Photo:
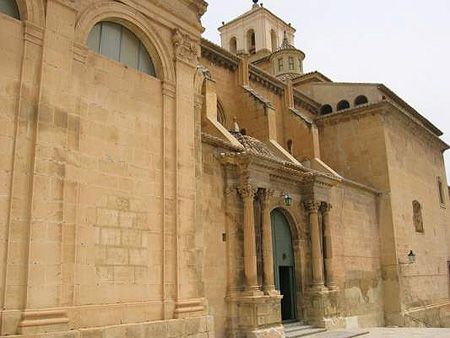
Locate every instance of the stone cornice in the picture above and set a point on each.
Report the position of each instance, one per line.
(306, 102)
(282, 170)
(218, 55)
(218, 142)
(302, 116)
(404, 105)
(258, 97)
(385, 106)
(267, 80)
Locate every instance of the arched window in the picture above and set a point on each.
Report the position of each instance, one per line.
(343, 105)
(233, 45)
(441, 191)
(251, 41)
(289, 146)
(326, 109)
(417, 216)
(221, 118)
(361, 100)
(273, 37)
(116, 42)
(9, 7)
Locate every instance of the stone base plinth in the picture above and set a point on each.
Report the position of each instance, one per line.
(43, 321)
(180, 328)
(320, 305)
(259, 315)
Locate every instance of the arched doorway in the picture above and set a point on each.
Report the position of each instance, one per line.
(283, 261)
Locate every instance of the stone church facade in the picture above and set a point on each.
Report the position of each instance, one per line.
(154, 184)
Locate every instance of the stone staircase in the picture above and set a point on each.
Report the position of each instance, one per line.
(298, 329)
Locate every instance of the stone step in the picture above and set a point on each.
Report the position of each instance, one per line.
(297, 327)
(340, 334)
(304, 332)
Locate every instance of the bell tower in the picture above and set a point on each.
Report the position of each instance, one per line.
(257, 32)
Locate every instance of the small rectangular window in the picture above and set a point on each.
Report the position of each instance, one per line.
(280, 65)
(441, 191)
(291, 63)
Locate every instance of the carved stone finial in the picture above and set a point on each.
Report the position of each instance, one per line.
(312, 206)
(185, 47)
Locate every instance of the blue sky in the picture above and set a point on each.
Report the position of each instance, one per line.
(404, 44)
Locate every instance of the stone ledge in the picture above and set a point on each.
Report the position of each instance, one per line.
(198, 327)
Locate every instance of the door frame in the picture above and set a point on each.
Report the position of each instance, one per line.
(296, 290)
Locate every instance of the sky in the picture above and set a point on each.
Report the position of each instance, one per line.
(404, 44)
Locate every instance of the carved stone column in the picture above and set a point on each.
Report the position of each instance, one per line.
(247, 192)
(269, 283)
(312, 207)
(328, 247)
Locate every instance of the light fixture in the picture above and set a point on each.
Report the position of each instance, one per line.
(411, 257)
(287, 199)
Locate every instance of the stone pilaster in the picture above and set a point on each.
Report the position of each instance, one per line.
(269, 282)
(312, 207)
(189, 301)
(330, 280)
(247, 192)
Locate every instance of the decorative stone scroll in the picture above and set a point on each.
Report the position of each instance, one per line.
(185, 47)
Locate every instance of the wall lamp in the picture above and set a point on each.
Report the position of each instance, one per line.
(411, 258)
(287, 199)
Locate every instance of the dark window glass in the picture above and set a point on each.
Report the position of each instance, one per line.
(280, 65)
(118, 43)
(343, 105)
(291, 63)
(361, 100)
(326, 109)
(9, 7)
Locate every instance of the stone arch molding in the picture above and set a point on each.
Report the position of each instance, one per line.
(134, 21)
(297, 231)
(32, 11)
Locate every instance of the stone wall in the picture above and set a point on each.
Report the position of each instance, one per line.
(98, 197)
(356, 241)
(415, 165)
(215, 249)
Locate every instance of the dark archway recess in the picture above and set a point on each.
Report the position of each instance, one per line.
(361, 99)
(343, 105)
(326, 109)
(283, 261)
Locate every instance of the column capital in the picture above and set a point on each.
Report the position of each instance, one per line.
(266, 195)
(312, 206)
(326, 207)
(247, 190)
